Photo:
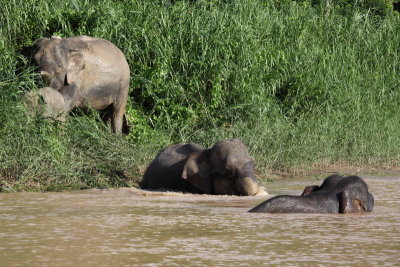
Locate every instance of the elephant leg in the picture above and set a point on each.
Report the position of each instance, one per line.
(71, 96)
(116, 121)
(117, 118)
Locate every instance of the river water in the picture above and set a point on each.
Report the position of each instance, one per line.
(130, 227)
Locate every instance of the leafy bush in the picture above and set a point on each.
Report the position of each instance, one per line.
(376, 7)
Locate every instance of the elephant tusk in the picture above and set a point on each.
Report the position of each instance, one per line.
(261, 192)
(247, 186)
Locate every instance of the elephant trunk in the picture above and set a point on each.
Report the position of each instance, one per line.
(247, 186)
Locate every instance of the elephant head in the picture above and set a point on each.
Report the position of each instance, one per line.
(48, 102)
(224, 169)
(354, 196)
(60, 60)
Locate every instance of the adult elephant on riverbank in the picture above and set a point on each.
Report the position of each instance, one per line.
(88, 72)
(224, 169)
(337, 194)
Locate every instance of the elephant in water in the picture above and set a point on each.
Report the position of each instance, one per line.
(48, 102)
(88, 72)
(224, 169)
(337, 194)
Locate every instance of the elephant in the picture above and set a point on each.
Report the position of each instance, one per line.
(337, 194)
(48, 102)
(223, 169)
(88, 72)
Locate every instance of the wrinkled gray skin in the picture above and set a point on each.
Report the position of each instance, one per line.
(224, 169)
(88, 72)
(337, 194)
(48, 102)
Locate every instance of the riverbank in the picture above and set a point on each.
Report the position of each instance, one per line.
(312, 172)
(305, 86)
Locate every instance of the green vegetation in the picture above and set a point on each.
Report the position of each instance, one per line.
(301, 82)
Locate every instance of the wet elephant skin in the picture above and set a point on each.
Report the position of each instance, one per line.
(223, 169)
(337, 194)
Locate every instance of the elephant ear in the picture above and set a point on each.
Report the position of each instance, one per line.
(309, 189)
(350, 204)
(33, 52)
(196, 172)
(76, 64)
(370, 202)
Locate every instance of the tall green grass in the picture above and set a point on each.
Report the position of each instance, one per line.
(301, 84)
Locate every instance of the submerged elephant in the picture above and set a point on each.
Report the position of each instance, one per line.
(48, 102)
(88, 72)
(224, 169)
(337, 194)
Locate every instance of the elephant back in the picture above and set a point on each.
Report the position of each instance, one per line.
(165, 171)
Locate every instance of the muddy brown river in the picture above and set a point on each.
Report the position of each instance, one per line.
(129, 227)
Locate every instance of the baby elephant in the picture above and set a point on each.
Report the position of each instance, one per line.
(224, 169)
(337, 194)
(48, 102)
